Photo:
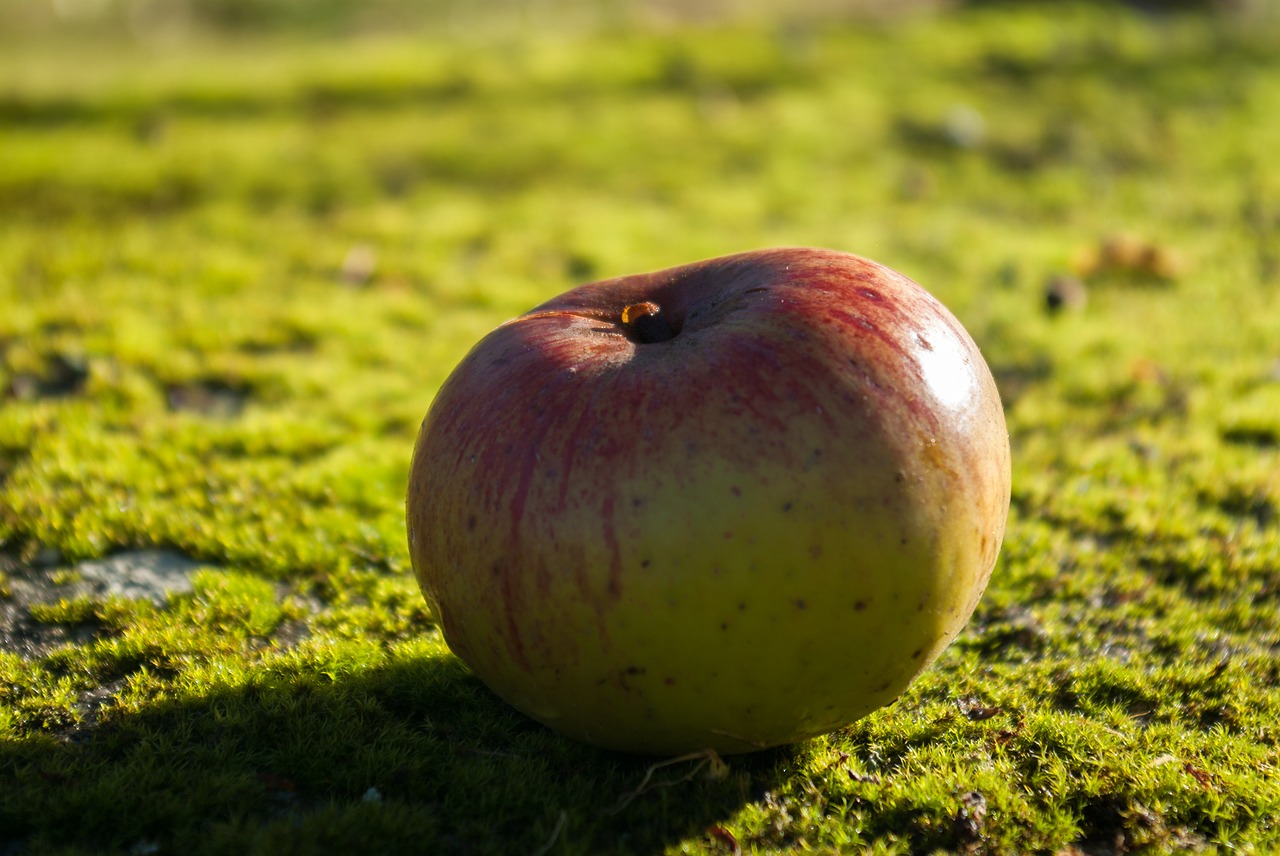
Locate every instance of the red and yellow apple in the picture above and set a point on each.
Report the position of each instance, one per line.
(726, 506)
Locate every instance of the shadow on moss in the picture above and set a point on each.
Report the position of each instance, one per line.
(413, 756)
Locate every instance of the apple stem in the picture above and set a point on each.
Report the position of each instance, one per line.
(644, 323)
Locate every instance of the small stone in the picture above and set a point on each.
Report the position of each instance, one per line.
(1065, 293)
(359, 264)
(964, 127)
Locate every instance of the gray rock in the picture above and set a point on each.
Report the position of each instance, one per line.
(140, 574)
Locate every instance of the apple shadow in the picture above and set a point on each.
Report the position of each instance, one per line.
(415, 756)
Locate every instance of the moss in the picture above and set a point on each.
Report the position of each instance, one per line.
(232, 277)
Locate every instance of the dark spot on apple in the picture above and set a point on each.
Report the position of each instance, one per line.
(904, 541)
(644, 563)
(859, 605)
(637, 502)
(800, 604)
(646, 324)
(735, 490)
(883, 687)
(756, 290)
(899, 476)
(724, 625)
(634, 670)
(915, 655)
(742, 607)
(471, 523)
(786, 506)
(669, 681)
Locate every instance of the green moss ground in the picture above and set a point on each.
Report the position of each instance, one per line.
(233, 274)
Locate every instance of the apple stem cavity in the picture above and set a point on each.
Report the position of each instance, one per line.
(645, 324)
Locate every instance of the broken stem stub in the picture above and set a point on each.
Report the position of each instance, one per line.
(645, 324)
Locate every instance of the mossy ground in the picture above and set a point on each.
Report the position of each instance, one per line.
(232, 274)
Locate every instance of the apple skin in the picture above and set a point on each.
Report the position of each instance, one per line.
(750, 533)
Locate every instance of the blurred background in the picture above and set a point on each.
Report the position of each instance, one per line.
(158, 21)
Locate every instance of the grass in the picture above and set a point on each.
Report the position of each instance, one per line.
(233, 273)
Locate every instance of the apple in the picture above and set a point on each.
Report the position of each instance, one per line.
(729, 505)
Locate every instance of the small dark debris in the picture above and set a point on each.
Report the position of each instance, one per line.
(969, 818)
(725, 837)
(212, 397)
(64, 375)
(1203, 777)
(975, 710)
(1262, 436)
